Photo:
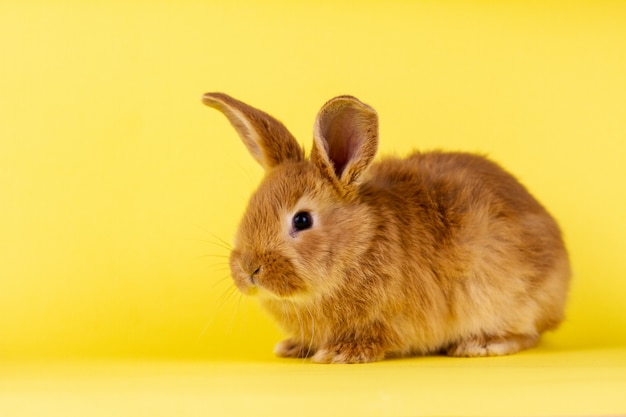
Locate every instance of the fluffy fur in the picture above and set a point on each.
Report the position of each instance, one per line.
(434, 252)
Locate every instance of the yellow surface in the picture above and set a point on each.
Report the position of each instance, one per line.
(117, 187)
(533, 383)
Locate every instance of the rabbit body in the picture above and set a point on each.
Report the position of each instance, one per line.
(360, 261)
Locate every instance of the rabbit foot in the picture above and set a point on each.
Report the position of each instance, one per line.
(492, 346)
(350, 352)
(290, 348)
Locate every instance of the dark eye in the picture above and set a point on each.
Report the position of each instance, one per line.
(302, 220)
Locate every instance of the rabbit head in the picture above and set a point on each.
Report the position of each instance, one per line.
(301, 226)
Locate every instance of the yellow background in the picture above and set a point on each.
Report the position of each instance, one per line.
(117, 186)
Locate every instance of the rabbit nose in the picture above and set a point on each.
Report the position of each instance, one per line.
(253, 274)
(250, 268)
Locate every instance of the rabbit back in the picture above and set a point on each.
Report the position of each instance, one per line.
(473, 241)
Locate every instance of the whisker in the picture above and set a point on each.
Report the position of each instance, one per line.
(219, 259)
(308, 352)
(220, 245)
(220, 268)
(300, 325)
(218, 241)
(236, 317)
(243, 321)
(226, 297)
(214, 256)
(225, 243)
(285, 312)
(222, 280)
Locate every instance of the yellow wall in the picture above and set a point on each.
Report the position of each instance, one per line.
(117, 185)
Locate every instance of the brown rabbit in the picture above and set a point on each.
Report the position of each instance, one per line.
(360, 261)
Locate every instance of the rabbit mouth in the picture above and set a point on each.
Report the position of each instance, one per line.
(268, 271)
(267, 283)
(278, 287)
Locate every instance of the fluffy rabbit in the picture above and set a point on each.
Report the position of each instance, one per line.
(360, 261)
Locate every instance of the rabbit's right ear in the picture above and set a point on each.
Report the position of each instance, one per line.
(345, 141)
(267, 139)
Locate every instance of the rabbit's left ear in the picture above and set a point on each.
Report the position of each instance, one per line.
(345, 140)
(267, 139)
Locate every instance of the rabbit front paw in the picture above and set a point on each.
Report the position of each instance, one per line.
(290, 348)
(349, 352)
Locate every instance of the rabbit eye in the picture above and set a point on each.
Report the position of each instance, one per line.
(302, 220)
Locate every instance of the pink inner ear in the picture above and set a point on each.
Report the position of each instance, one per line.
(343, 140)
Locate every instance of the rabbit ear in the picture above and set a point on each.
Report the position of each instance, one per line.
(267, 139)
(345, 140)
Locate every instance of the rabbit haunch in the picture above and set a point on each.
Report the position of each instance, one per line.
(434, 252)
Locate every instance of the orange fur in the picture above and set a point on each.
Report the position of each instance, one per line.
(434, 252)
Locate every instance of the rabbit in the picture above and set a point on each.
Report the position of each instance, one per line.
(360, 261)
